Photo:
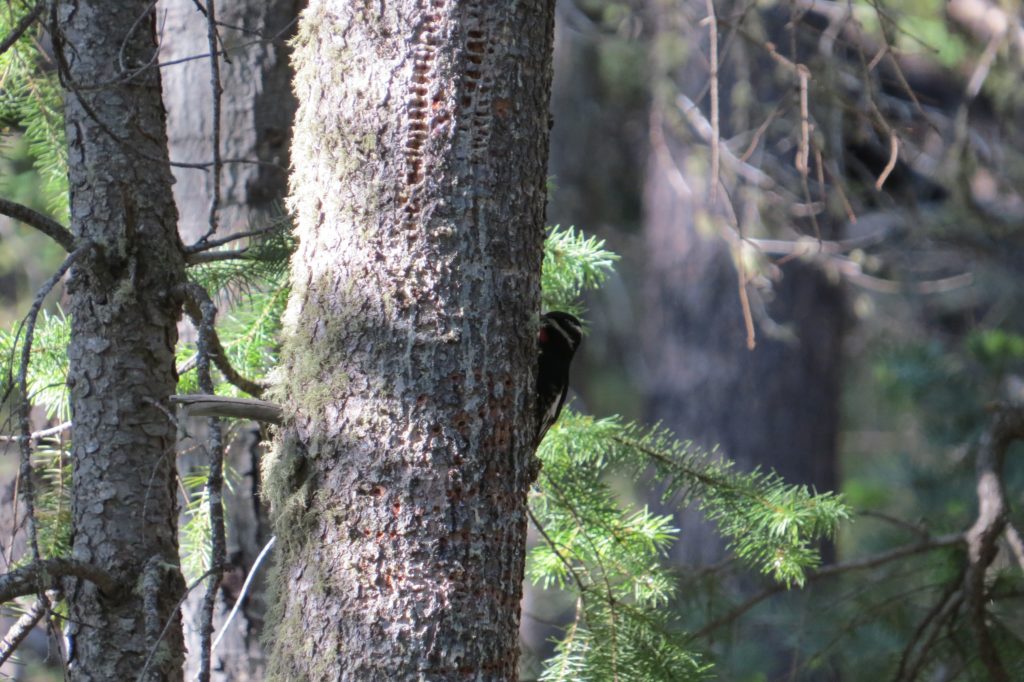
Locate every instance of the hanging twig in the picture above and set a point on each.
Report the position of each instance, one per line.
(198, 298)
(716, 134)
(217, 91)
(25, 475)
(245, 590)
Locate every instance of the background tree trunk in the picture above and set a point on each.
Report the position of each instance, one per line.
(777, 406)
(257, 108)
(399, 486)
(124, 310)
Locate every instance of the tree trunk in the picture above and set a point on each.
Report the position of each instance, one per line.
(399, 485)
(257, 109)
(124, 311)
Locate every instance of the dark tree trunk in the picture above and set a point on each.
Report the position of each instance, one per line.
(124, 313)
(399, 485)
(257, 109)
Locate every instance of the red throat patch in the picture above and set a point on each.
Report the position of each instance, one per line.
(542, 335)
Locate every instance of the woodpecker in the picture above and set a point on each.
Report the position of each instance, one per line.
(559, 336)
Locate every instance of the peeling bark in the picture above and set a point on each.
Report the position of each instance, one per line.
(399, 483)
(122, 342)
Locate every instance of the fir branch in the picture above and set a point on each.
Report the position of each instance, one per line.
(264, 263)
(573, 262)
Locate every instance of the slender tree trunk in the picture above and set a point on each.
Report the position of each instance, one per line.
(124, 313)
(399, 485)
(257, 107)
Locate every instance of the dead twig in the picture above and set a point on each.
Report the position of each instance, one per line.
(199, 302)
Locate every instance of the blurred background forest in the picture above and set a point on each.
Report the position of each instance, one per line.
(820, 211)
(840, 308)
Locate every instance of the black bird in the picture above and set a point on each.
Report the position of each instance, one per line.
(559, 336)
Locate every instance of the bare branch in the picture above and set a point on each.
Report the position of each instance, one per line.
(37, 435)
(19, 30)
(204, 405)
(199, 301)
(215, 256)
(196, 299)
(44, 574)
(207, 244)
(716, 135)
(21, 629)
(834, 570)
(218, 165)
(25, 473)
(1007, 425)
(51, 228)
(705, 129)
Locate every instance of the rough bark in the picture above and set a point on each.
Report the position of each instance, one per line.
(124, 313)
(399, 487)
(257, 107)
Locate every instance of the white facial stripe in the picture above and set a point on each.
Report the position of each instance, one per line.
(568, 338)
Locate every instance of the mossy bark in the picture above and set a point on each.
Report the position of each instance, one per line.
(124, 311)
(399, 484)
